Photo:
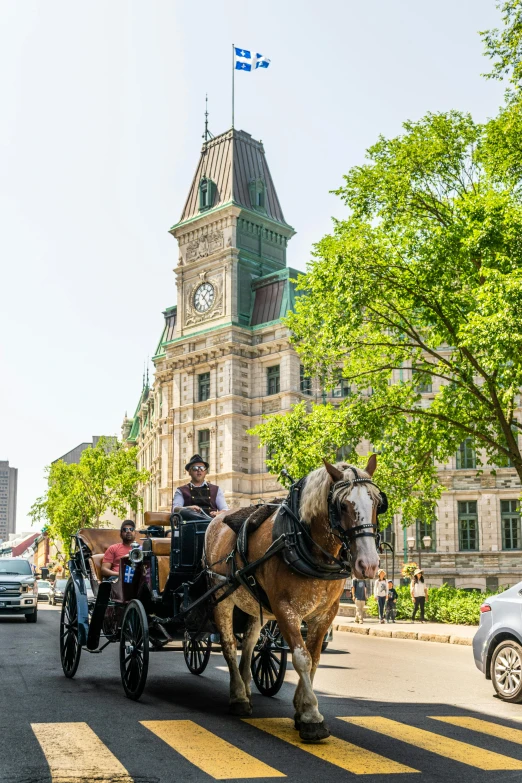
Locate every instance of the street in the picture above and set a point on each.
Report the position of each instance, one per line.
(384, 700)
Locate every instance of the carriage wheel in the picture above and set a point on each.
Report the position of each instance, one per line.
(70, 647)
(269, 660)
(196, 653)
(134, 650)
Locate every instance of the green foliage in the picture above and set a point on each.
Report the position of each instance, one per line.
(79, 495)
(504, 47)
(445, 605)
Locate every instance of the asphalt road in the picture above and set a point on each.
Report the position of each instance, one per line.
(383, 700)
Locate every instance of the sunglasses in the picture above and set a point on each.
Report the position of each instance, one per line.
(198, 467)
(127, 530)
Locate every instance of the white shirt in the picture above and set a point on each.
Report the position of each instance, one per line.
(221, 503)
(381, 588)
(419, 589)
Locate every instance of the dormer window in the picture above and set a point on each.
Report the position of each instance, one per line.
(257, 189)
(207, 190)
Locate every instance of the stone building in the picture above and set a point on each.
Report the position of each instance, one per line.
(224, 359)
(8, 495)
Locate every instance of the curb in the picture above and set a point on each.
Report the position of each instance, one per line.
(419, 636)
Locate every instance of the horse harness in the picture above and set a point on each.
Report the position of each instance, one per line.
(292, 539)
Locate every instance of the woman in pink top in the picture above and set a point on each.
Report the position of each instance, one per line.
(113, 555)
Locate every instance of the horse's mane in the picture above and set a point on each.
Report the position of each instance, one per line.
(314, 497)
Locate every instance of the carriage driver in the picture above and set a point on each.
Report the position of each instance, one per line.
(199, 494)
(113, 555)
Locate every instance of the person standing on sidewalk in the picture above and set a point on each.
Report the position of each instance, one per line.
(419, 594)
(381, 593)
(359, 598)
(391, 603)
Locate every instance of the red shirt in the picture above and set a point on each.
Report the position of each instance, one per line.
(114, 554)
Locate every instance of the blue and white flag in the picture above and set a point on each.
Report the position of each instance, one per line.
(128, 574)
(242, 59)
(262, 61)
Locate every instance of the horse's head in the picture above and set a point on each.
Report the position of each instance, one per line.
(356, 500)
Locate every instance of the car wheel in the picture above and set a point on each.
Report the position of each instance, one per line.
(506, 671)
(33, 617)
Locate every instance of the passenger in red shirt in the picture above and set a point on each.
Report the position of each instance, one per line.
(113, 555)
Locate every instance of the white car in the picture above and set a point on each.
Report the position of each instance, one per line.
(44, 590)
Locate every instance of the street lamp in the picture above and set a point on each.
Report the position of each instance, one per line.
(426, 542)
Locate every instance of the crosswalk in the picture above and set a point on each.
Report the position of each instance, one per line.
(76, 754)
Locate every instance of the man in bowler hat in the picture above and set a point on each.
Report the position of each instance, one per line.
(199, 494)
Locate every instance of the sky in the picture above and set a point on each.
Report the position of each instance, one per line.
(102, 115)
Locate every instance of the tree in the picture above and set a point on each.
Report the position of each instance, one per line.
(505, 47)
(79, 495)
(419, 287)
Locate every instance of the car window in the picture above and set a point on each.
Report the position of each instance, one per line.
(43, 584)
(60, 584)
(15, 567)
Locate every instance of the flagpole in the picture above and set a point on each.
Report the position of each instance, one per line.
(233, 69)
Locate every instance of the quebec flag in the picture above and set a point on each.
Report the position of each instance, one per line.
(262, 61)
(242, 59)
(128, 574)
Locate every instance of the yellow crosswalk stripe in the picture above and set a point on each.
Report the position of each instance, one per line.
(75, 754)
(337, 751)
(484, 726)
(205, 750)
(436, 743)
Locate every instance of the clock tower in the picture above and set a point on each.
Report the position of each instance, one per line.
(224, 358)
(232, 231)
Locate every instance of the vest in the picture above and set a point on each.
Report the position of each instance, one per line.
(204, 497)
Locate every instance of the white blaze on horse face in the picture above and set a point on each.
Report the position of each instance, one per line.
(365, 557)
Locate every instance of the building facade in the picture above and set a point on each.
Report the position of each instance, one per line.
(8, 496)
(224, 360)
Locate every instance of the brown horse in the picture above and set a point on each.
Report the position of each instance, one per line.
(294, 598)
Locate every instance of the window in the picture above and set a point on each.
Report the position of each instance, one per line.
(422, 382)
(387, 535)
(257, 190)
(425, 528)
(510, 521)
(343, 454)
(203, 386)
(207, 190)
(204, 444)
(342, 389)
(466, 457)
(468, 525)
(305, 384)
(273, 379)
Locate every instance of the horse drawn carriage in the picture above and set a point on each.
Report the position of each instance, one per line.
(228, 576)
(160, 602)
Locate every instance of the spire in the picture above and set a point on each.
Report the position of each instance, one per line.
(207, 135)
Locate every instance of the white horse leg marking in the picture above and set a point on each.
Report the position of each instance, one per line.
(305, 701)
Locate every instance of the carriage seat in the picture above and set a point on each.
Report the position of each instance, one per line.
(157, 518)
(97, 561)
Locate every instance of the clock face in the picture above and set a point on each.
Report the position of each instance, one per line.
(204, 297)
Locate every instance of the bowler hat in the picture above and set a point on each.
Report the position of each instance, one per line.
(194, 460)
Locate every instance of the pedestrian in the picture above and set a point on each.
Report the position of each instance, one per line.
(381, 593)
(391, 603)
(419, 594)
(359, 597)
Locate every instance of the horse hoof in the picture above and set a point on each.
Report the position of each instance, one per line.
(297, 721)
(313, 732)
(241, 709)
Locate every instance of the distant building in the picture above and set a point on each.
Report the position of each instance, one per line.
(8, 490)
(19, 545)
(72, 457)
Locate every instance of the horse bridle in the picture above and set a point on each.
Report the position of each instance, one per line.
(367, 530)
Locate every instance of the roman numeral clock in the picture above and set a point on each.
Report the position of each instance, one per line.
(204, 296)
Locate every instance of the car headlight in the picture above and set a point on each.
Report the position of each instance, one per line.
(28, 588)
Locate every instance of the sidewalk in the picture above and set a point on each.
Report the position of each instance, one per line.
(404, 629)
